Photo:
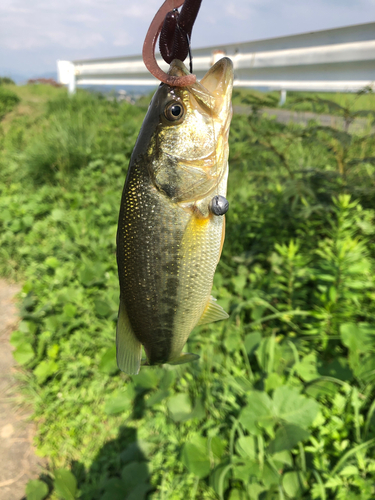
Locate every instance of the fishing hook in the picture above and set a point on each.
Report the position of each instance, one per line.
(175, 31)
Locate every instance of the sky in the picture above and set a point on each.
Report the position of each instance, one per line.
(34, 34)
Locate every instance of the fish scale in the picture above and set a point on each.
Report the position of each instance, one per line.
(148, 268)
(168, 240)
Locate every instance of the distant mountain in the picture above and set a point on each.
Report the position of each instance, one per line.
(133, 90)
(130, 89)
(22, 78)
(16, 77)
(48, 74)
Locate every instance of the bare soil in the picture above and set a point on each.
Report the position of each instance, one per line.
(18, 462)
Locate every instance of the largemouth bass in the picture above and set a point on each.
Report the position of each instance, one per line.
(169, 239)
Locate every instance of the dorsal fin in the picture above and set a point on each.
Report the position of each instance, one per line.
(213, 312)
(128, 347)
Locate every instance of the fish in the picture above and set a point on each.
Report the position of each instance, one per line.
(169, 237)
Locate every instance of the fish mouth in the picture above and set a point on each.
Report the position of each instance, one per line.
(218, 79)
(213, 93)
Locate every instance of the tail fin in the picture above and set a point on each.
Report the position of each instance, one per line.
(128, 347)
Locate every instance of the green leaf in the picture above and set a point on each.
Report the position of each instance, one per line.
(353, 451)
(53, 351)
(349, 470)
(355, 337)
(246, 447)
(195, 456)
(290, 406)
(179, 407)
(157, 397)
(232, 342)
(70, 310)
(238, 495)
(52, 262)
(256, 490)
(121, 403)
(219, 477)
(282, 458)
(18, 338)
(147, 379)
(134, 474)
(244, 472)
(108, 363)
(258, 409)
(252, 341)
(307, 368)
(102, 308)
(272, 381)
(24, 353)
(217, 446)
(286, 437)
(167, 379)
(140, 492)
(270, 476)
(36, 490)
(92, 273)
(65, 484)
(45, 369)
(333, 482)
(57, 214)
(113, 489)
(15, 226)
(337, 368)
(366, 370)
(322, 387)
(138, 451)
(28, 221)
(294, 484)
(198, 411)
(239, 283)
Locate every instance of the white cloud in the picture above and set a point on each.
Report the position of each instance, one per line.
(122, 40)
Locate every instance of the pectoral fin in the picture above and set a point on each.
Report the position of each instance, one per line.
(213, 312)
(185, 357)
(128, 347)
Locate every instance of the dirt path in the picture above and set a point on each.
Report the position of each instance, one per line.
(18, 462)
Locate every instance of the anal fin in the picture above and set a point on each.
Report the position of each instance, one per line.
(185, 357)
(213, 312)
(128, 347)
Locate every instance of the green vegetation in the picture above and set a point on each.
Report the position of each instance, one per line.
(281, 403)
(8, 100)
(317, 102)
(6, 80)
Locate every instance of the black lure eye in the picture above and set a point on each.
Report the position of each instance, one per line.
(174, 111)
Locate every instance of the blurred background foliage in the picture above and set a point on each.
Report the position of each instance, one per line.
(280, 404)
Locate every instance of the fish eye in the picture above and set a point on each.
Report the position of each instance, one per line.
(174, 111)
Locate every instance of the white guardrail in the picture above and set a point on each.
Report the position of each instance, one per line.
(338, 60)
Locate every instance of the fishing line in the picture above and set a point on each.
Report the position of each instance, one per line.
(186, 35)
(190, 55)
(212, 98)
(216, 162)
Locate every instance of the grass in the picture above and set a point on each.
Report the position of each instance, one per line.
(317, 102)
(280, 404)
(33, 102)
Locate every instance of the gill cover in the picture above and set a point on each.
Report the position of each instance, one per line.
(191, 138)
